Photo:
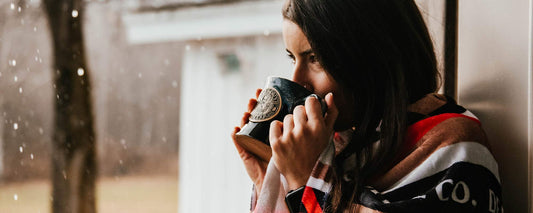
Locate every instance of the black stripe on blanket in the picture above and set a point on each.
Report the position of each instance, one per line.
(463, 187)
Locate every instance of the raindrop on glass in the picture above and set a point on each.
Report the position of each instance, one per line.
(19, 9)
(12, 6)
(20, 90)
(167, 62)
(15, 126)
(21, 150)
(41, 131)
(174, 84)
(34, 29)
(15, 197)
(15, 78)
(140, 75)
(13, 62)
(187, 47)
(81, 71)
(31, 156)
(266, 32)
(74, 13)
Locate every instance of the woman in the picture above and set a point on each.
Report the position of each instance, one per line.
(387, 143)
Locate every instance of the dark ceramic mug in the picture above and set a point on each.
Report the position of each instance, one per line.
(278, 98)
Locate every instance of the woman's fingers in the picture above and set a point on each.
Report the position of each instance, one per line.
(288, 123)
(300, 117)
(332, 113)
(313, 109)
(245, 118)
(242, 152)
(274, 135)
(251, 104)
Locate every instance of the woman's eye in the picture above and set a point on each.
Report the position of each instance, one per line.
(291, 57)
(313, 59)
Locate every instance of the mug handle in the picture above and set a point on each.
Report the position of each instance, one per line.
(323, 104)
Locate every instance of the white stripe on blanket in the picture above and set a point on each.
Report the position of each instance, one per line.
(445, 157)
(319, 184)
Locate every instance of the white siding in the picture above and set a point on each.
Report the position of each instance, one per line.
(212, 177)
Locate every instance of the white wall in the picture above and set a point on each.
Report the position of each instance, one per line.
(212, 177)
(494, 81)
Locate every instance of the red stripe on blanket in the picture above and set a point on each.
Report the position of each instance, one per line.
(416, 131)
(310, 202)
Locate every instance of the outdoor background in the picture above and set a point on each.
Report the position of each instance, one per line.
(171, 78)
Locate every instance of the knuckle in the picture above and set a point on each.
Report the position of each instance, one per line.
(276, 146)
(299, 108)
(299, 132)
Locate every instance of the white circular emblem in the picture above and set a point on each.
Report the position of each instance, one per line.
(268, 105)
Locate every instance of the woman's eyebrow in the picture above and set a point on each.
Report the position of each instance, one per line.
(306, 52)
(303, 53)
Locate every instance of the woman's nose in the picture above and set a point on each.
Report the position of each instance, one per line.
(300, 76)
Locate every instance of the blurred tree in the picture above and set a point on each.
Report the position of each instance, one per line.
(73, 154)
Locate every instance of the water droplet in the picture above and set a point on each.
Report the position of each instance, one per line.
(15, 197)
(122, 141)
(36, 58)
(121, 162)
(140, 75)
(12, 6)
(174, 84)
(202, 48)
(15, 78)
(81, 71)
(21, 150)
(41, 131)
(20, 90)
(187, 47)
(19, 9)
(166, 62)
(34, 29)
(15, 126)
(31, 156)
(266, 32)
(13, 62)
(74, 13)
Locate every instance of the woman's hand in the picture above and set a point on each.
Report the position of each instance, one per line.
(255, 167)
(299, 140)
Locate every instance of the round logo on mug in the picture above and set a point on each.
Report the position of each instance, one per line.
(268, 105)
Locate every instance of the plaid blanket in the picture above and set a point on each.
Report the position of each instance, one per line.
(444, 165)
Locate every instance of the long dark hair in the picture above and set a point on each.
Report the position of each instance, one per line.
(381, 53)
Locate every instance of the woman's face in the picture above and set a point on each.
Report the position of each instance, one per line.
(308, 72)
